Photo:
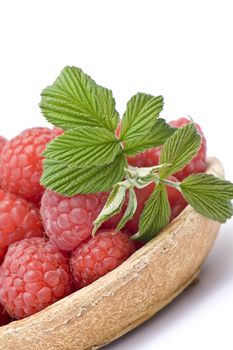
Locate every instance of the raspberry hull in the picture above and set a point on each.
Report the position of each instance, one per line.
(69, 221)
(21, 163)
(101, 254)
(18, 219)
(34, 275)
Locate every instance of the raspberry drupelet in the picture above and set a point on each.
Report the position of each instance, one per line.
(101, 254)
(21, 163)
(18, 219)
(34, 274)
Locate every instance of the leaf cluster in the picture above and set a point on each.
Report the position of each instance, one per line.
(89, 157)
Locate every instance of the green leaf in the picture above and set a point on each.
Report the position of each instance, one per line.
(70, 180)
(75, 100)
(155, 216)
(130, 210)
(141, 114)
(113, 205)
(209, 185)
(179, 149)
(209, 196)
(84, 146)
(156, 137)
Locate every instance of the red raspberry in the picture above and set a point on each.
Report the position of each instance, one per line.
(101, 254)
(198, 163)
(69, 221)
(58, 131)
(4, 317)
(3, 251)
(2, 143)
(21, 163)
(151, 157)
(148, 158)
(118, 129)
(176, 200)
(18, 219)
(34, 275)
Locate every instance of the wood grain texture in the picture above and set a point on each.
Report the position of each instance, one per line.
(124, 298)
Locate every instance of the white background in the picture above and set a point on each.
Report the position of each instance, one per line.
(181, 49)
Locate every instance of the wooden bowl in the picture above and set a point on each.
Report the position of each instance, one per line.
(126, 297)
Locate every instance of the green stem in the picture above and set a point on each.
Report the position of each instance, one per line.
(171, 183)
(142, 177)
(125, 183)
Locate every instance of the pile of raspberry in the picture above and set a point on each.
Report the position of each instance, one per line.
(46, 247)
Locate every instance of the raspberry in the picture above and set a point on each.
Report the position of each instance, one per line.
(34, 275)
(151, 157)
(2, 253)
(118, 129)
(57, 131)
(69, 221)
(4, 317)
(101, 254)
(2, 143)
(176, 200)
(198, 163)
(18, 219)
(148, 158)
(21, 163)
